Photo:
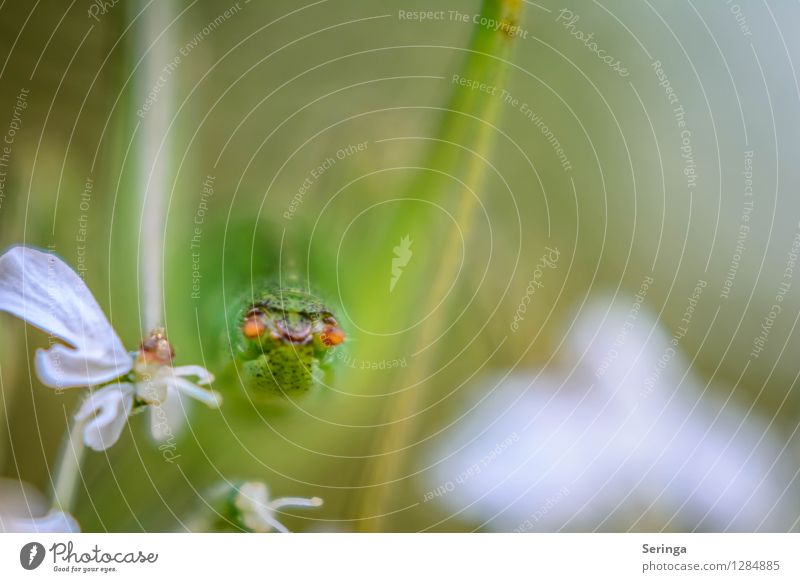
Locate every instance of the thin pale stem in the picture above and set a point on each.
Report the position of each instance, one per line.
(68, 468)
(153, 167)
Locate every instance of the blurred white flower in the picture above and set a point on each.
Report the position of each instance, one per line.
(86, 351)
(24, 510)
(257, 512)
(620, 436)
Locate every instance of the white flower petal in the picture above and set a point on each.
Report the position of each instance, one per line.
(154, 389)
(166, 394)
(64, 367)
(256, 512)
(210, 398)
(168, 418)
(622, 344)
(23, 509)
(21, 499)
(295, 502)
(203, 376)
(41, 289)
(106, 411)
(248, 504)
(53, 522)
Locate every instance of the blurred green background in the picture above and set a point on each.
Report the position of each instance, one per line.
(263, 99)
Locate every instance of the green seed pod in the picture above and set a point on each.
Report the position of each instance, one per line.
(283, 339)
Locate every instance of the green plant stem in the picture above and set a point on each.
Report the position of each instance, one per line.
(68, 468)
(464, 141)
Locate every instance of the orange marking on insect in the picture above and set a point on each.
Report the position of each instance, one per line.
(332, 336)
(254, 326)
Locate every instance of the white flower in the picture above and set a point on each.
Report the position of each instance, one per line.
(619, 435)
(104, 414)
(41, 289)
(164, 390)
(257, 512)
(23, 510)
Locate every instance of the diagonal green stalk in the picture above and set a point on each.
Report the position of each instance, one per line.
(458, 153)
(468, 120)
